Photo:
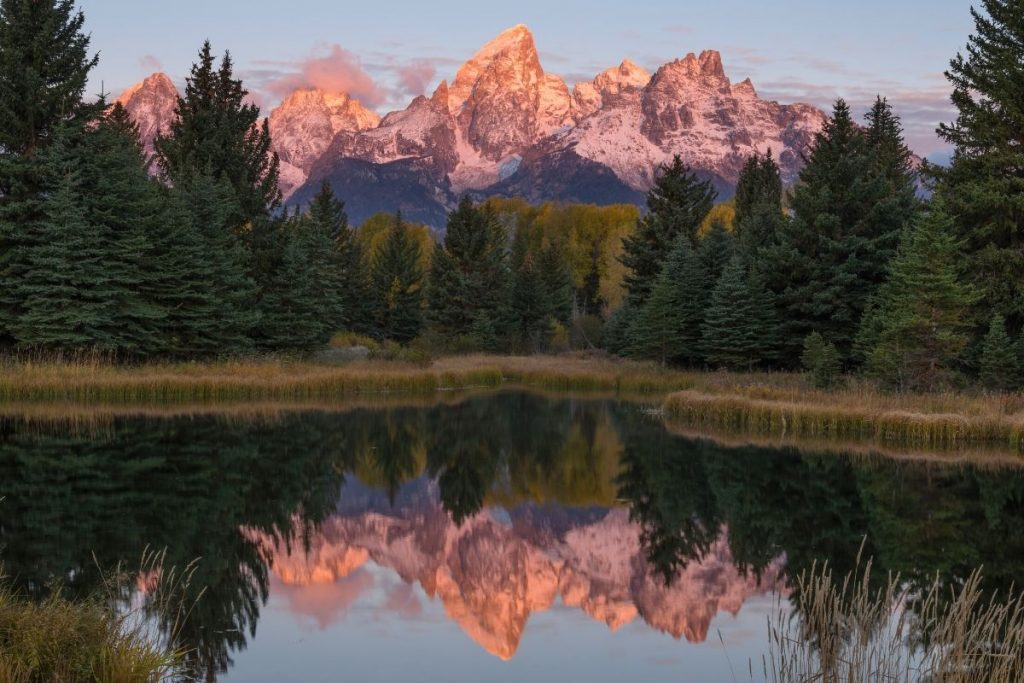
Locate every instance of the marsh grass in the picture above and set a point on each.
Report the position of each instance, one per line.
(103, 639)
(947, 421)
(280, 379)
(849, 632)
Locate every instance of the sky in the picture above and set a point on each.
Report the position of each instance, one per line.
(386, 52)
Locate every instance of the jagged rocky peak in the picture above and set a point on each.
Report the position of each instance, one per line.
(627, 77)
(502, 99)
(152, 104)
(304, 125)
(513, 53)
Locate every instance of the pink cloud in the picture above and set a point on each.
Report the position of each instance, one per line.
(336, 70)
(413, 78)
(149, 64)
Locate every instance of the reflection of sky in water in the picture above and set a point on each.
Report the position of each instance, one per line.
(372, 626)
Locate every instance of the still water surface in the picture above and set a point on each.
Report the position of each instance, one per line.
(504, 537)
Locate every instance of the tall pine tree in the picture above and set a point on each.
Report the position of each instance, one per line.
(740, 329)
(915, 330)
(835, 251)
(984, 186)
(677, 205)
(469, 271)
(44, 68)
(216, 133)
(398, 286)
(759, 185)
(668, 327)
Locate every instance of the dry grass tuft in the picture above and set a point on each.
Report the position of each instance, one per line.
(847, 632)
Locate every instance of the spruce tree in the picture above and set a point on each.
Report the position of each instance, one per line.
(984, 186)
(846, 227)
(44, 68)
(206, 203)
(397, 282)
(557, 279)
(530, 309)
(759, 185)
(821, 359)
(668, 328)
(326, 226)
(1000, 364)
(469, 271)
(739, 330)
(64, 303)
(677, 205)
(618, 331)
(292, 316)
(216, 133)
(915, 331)
(591, 301)
(348, 285)
(716, 249)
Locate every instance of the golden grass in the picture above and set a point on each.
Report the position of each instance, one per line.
(944, 421)
(282, 380)
(780, 405)
(62, 641)
(847, 631)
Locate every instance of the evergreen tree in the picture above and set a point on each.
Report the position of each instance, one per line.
(227, 327)
(397, 283)
(716, 249)
(668, 328)
(591, 302)
(739, 330)
(529, 307)
(216, 133)
(557, 279)
(292, 315)
(677, 205)
(348, 286)
(327, 240)
(984, 187)
(618, 331)
(44, 68)
(1000, 364)
(469, 270)
(847, 223)
(821, 359)
(915, 330)
(759, 185)
(64, 302)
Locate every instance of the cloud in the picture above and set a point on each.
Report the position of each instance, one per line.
(920, 109)
(414, 77)
(149, 64)
(330, 68)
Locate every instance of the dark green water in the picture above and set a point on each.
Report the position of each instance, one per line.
(499, 537)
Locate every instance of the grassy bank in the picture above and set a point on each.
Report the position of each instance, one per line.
(276, 380)
(860, 414)
(765, 405)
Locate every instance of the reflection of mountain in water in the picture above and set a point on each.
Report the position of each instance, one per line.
(547, 473)
(501, 566)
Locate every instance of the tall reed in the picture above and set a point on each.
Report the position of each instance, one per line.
(848, 632)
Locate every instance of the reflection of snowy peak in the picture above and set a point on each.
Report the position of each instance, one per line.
(497, 569)
(505, 126)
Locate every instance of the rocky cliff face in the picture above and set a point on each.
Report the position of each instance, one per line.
(505, 126)
(152, 104)
(500, 567)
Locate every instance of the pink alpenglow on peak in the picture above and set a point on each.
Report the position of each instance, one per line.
(152, 104)
(503, 126)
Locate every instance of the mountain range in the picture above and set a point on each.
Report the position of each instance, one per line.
(505, 127)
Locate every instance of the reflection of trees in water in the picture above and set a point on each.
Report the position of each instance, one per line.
(190, 485)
